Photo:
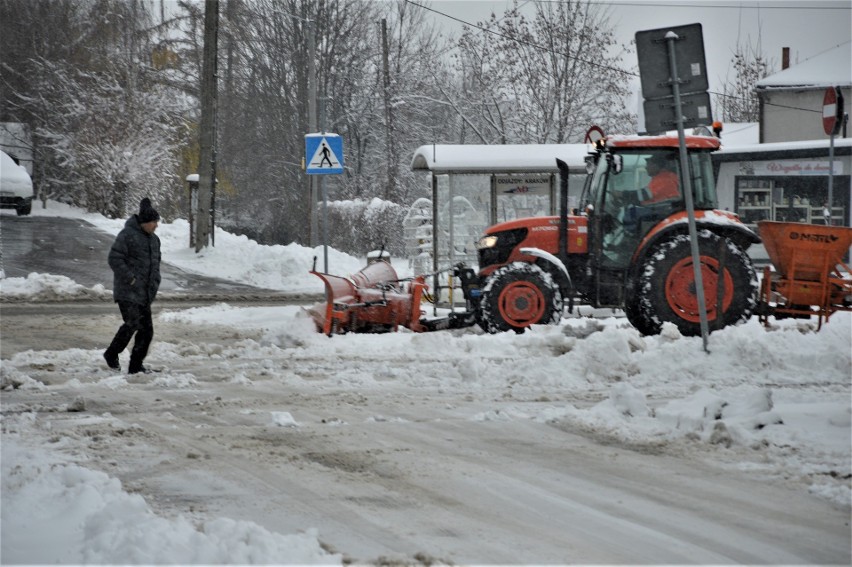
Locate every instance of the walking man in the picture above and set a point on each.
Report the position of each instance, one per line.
(135, 262)
(325, 153)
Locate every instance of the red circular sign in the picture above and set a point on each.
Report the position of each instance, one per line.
(829, 111)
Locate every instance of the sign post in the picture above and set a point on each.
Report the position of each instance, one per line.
(662, 73)
(324, 156)
(832, 120)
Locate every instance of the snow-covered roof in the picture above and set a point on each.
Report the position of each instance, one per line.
(842, 146)
(830, 68)
(472, 158)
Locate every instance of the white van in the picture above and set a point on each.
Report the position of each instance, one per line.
(16, 187)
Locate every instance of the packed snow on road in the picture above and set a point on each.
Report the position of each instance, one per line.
(259, 440)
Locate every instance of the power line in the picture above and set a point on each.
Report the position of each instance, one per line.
(757, 5)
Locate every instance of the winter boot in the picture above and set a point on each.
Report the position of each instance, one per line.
(138, 369)
(112, 360)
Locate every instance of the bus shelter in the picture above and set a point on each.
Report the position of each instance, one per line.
(475, 186)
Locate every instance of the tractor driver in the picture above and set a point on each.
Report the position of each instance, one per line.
(664, 182)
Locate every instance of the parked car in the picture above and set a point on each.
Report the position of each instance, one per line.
(16, 186)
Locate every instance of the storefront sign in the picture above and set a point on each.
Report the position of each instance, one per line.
(522, 184)
(796, 167)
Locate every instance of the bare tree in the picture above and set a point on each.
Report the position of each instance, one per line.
(399, 108)
(381, 112)
(739, 101)
(545, 79)
(265, 106)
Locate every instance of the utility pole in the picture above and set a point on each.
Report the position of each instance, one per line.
(390, 153)
(207, 158)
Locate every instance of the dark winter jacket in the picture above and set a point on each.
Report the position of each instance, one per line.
(135, 262)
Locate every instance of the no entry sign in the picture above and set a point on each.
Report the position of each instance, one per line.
(832, 111)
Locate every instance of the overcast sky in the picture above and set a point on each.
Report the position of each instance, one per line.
(807, 27)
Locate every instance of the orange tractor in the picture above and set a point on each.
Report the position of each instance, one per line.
(624, 248)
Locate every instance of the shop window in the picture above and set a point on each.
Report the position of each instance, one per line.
(788, 199)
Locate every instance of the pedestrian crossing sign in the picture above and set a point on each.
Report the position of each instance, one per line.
(323, 154)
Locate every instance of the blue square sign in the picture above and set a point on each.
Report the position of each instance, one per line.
(323, 154)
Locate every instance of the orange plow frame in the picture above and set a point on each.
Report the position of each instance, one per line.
(808, 279)
(372, 300)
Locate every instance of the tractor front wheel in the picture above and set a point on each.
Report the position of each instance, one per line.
(516, 296)
(666, 291)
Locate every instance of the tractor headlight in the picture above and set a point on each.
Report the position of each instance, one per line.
(489, 241)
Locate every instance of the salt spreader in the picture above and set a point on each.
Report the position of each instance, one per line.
(810, 276)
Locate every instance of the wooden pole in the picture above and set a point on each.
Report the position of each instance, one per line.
(207, 158)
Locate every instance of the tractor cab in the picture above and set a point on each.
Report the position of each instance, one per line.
(635, 183)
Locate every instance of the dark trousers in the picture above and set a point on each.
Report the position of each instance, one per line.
(137, 319)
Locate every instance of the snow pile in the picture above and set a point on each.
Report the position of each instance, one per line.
(269, 267)
(234, 258)
(48, 287)
(90, 519)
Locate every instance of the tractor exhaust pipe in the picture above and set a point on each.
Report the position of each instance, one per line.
(563, 210)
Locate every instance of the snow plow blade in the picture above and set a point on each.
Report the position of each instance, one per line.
(811, 277)
(373, 300)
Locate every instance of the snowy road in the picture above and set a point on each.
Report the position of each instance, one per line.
(375, 450)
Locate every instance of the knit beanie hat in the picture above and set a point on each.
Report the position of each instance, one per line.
(147, 212)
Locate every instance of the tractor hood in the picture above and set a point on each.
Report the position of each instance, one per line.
(530, 223)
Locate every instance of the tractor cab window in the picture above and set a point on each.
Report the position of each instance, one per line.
(703, 180)
(644, 189)
(632, 198)
(597, 184)
(659, 178)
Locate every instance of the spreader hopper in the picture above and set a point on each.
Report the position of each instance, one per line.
(810, 277)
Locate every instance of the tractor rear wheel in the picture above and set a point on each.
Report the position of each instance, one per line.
(517, 296)
(666, 292)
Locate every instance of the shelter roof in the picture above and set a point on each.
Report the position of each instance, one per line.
(510, 158)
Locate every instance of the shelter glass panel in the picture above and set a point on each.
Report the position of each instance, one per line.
(462, 216)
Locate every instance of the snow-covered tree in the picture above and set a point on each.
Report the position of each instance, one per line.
(739, 101)
(544, 79)
(398, 106)
(264, 104)
(106, 131)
